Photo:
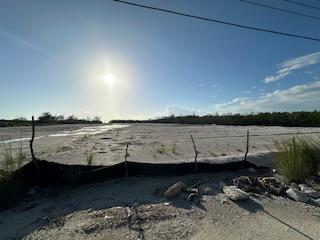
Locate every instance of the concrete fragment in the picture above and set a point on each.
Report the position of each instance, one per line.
(297, 195)
(235, 193)
(309, 191)
(175, 189)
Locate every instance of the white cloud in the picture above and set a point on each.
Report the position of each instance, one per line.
(179, 110)
(293, 64)
(300, 97)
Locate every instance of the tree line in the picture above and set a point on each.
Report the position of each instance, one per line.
(47, 118)
(286, 119)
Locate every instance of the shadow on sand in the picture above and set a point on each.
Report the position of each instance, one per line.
(253, 206)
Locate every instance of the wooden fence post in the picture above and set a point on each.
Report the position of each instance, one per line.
(125, 161)
(34, 159)
(247, 150)
(196, 155)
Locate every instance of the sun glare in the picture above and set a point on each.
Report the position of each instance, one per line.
(109, 79)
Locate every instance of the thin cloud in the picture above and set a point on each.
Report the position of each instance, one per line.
(25, 43)
(297, 98)
(293, 64)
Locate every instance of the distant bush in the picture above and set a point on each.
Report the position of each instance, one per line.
(47, 118)
(288, 119)
(298, 159)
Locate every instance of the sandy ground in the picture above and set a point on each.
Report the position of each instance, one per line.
(135, 208)
(148, 142)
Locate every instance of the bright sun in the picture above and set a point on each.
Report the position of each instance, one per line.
(109, 79)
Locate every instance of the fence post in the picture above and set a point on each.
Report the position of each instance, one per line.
(196, 155)
(125, 161)
(247, 150)
(34, 159)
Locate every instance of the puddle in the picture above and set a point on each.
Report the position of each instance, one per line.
(82, 131)
(88, 130)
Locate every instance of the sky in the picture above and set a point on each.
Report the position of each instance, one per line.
(107, 59)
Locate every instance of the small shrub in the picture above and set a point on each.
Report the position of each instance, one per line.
(9, 162)
(298, 159)
(162, 149)
(174, 148)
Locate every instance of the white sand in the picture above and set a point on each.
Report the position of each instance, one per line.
(100, 211)
(135, 208)
(149, 142)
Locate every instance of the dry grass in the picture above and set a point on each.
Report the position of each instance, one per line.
(298, 158)
(10, 161)
(174, 148)
(90, 156)
(162, 149)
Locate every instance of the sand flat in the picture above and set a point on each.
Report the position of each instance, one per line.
(149, 142)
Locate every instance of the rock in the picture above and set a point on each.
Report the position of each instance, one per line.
(192, 196)
(297, 195)
(272, 185)
(107, 217)
(167, 204)
(224, 200)
(235, 193)
(208, 190)
(295, 186)
(309, 191)
(192, 190)
(175, 189)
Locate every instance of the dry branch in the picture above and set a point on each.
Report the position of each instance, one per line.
(196, 155)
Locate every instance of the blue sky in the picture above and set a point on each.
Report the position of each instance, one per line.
(116, 61)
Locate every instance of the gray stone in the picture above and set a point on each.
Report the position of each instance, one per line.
(309, 191)
(297, 195)
(175, 189)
